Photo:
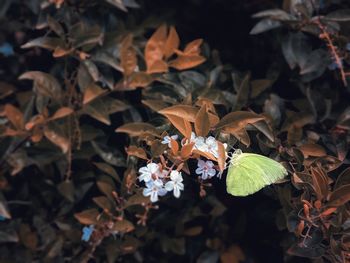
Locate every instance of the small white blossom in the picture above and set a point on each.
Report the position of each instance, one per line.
(149, 172)
(167, 139)
(212, 145)
(199, 142)
(205, 169)
(154, 189)
(175, 184)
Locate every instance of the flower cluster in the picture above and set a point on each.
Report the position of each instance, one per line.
(158, 182)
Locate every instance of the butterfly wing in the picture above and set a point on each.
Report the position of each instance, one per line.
(251, 172)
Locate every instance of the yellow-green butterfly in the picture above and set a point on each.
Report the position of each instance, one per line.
(249, 172)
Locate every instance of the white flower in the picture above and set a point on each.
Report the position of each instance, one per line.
(154, 189)
(175, 184)
(199, 142)
(212, 145)
(149, 172)
(205, 169)
(167, 139)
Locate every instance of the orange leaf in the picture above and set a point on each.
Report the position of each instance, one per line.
(201, 124)
(154, 49)
(61, 113)
(158, 66)
(181, 124)
(172, 43)
(186, 150)
(186, 62)
(174, 146)
(329, 211)
(193, 48)
(138, 152)
(87, 217)
(221, 156)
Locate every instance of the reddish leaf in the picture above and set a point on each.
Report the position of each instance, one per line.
(193, 48)
(222, 156)
(186, 150)
(312, 149)
(14, 115)
(201, 124)
(87, 217)
(181, 124)
(154, 50)
(172, 43)
(60, 113)
(136, 151)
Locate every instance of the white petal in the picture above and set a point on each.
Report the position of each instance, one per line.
(153, 167)
(199, 171)
(176, 192)
(169, 186)
(174, 137)
(211, 172)
(180, 186)
(162, 192)
(154, 196)
(209, 164)
(147, 191)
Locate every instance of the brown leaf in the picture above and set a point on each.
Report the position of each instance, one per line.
(128, 59)
(103, 202)
(237, 120)
(174, 146)
(123, 226)
(320, 182)
(139, 80)
(57, 138)
(186, 150)
(60, 113)
(221, 156)
(66, 189)
(136, 129)
(108, 169)
(155, 105)
(242, 136)
(158, 66)
(44, 84)
(186, 62)
(88, 217)
(172, 43)
(312, 149)
(154, 50)
(92, 92)
(14, 115)
(193, 48)
(343, 178)
(340, 196)
(201, 124)
(136, 151)
(181, 124)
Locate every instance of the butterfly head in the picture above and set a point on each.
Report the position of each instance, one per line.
(233, 157)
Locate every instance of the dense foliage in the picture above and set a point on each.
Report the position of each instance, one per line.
(119, 119)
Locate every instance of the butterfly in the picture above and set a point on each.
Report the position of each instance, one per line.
(249, 172)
